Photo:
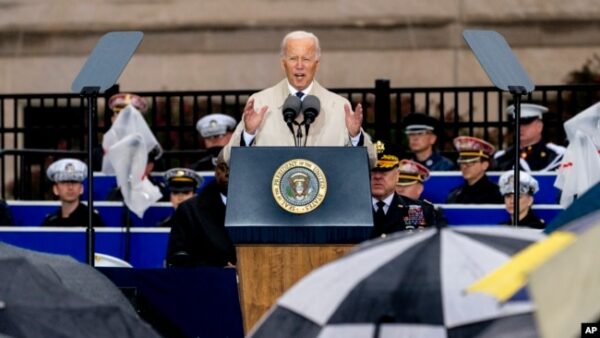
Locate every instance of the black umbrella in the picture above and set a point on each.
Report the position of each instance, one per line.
(75, 276)
(35, 303)
(407, 285)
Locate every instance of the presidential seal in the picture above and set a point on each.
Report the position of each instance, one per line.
(299, 186)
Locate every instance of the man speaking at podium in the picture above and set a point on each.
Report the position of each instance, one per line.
(333, 122)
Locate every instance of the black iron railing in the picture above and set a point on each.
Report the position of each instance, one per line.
(56, 124)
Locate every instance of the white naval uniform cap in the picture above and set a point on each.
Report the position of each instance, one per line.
(67, 169)
(527, 183)
(529, 111)
(215, 125)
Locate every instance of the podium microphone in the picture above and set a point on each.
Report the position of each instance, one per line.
(311, 106)
(290, 110)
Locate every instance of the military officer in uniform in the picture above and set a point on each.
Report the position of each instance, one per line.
(528, 186)
(421, 131)
(410, 184)
(198, 235)
(393, 212)
(535, 153)
(67, 175)
(182, 184)
(474, 158)
(216, 131)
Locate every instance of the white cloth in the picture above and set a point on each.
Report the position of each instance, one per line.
(126, 146)
(128, 157)
(129, 121)
(580, 168)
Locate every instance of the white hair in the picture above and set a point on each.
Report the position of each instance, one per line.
(301, 35)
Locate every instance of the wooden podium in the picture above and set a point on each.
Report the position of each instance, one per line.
(285, 227)
(266, 271)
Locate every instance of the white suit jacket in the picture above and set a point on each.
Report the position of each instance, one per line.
(329, 128)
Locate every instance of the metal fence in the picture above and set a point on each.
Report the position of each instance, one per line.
(36, 129)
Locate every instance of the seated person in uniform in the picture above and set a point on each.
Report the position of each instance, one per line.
(198, 236)
(393, 212)
(528, 186)
(67, 175)
(474, 158)
(421, 131)
(535, 153)
(216, 131)
(182, 184)
(410, 184)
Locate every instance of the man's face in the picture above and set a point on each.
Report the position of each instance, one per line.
(177, 197)
(300, 62)
(383, 183)
(473, 171)
(222, 177)
(413, 191)
(68, 191)
(531, 133)
(421, 141)
(217, 141)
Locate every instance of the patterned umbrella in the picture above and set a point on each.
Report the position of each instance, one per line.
(407, 285)
(561, 273)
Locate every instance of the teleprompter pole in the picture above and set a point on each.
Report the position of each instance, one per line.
(91, 95)
(516, 92)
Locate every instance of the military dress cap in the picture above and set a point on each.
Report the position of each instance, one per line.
(386, 157)
(471, 149)
(119, 101)
(67, 170)
(527, 183)
(182, 179)
(416, 123)
(529, 112)
(215, 125)
(412, 172)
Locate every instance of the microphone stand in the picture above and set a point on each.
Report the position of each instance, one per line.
(298, 134)
(307, 127)
(290, 125)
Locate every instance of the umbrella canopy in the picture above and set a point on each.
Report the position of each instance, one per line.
(583, 205)
(568, 257)
(578, 267)
(407, 285)
(75, 276)
(39, 299)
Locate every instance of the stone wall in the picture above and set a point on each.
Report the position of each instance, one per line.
(234, 44)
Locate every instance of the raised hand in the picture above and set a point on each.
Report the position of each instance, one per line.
(353, 119)
(252, 118)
